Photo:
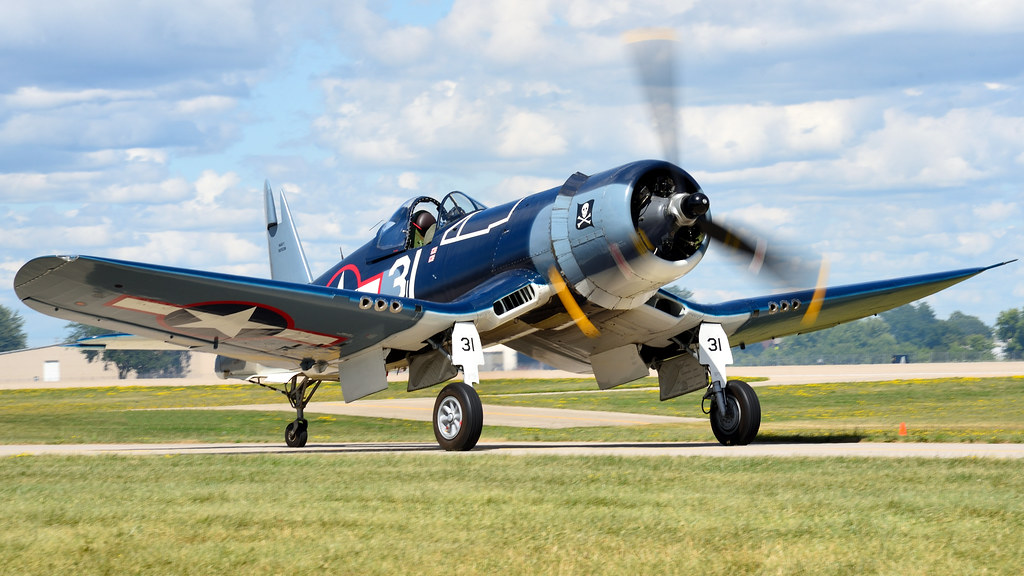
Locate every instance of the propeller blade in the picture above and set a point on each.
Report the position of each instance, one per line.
(790, 268)
(653, 52)
(574, 310)
(654, 57)
(814, 308)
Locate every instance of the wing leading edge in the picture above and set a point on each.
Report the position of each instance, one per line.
(752, 320)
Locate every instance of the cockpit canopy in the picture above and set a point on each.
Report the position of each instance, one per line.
(397, 234)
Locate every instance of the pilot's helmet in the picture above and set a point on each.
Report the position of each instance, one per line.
(423, 220)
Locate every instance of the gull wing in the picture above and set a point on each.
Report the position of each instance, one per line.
(277, 324)
(752, 320)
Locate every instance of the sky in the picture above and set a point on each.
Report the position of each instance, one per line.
(886, 135)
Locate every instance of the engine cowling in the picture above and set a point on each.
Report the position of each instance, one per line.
(620, 235)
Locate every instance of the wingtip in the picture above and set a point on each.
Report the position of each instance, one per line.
(999, 264)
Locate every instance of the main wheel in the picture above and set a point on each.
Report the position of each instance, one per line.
(742, 415)
(458, 417)
(295, 434)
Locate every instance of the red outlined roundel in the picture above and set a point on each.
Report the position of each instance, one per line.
(372, 285)
(226, 320)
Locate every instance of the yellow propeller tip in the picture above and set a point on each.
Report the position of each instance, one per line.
(818, 299)
(645, 34)
(574, 310)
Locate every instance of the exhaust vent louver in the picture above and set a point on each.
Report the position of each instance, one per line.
(519, 298)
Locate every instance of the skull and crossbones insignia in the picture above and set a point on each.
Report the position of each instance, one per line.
(585, 215)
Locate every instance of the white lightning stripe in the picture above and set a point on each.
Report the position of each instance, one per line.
(459, 236)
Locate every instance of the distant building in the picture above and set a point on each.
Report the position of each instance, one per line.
(52, 365)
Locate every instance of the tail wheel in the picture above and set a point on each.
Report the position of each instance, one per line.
(458, 417)
(742, 419)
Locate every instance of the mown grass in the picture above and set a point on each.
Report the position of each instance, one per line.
(481, 513)
(952, 410)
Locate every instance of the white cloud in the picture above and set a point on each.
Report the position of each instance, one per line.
(155, 156)
(209, 250)
(524, 134)
(405, 45)
(408, 181)
(746, 134)
(519, 186)
(34, 97)
(172, 190)
(205, 105)
(997, 211)
(974, 243)
(211, 185)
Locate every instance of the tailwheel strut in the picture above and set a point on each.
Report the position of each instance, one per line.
(299, 390)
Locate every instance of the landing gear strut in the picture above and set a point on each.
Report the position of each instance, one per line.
(299, 390)
(735, 410)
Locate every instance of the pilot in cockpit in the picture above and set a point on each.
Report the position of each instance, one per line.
(422, 228)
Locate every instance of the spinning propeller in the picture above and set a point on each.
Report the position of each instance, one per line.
(653, 53)
(686, 213)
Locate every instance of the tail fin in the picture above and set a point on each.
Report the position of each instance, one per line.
(287, 260)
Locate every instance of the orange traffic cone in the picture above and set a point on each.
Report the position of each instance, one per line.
(903, 428)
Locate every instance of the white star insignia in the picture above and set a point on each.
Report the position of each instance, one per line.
(230, 325)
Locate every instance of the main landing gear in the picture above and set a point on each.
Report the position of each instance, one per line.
(735, 410)
(458, 417)
(735, 421)
(458, 413)
(299, 390)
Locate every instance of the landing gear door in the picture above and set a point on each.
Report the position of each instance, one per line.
(467, 351)
(714, 351)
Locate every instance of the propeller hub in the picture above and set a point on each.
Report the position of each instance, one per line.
(686, 208)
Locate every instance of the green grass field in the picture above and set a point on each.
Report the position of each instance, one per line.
(480, 513)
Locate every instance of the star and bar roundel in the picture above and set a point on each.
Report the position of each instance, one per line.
(226, 320)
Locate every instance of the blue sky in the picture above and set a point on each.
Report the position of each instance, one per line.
(887, 135)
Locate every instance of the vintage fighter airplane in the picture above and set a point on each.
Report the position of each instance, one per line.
(572, 276)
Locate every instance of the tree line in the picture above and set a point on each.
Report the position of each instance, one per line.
(909, 333)
(912, 332)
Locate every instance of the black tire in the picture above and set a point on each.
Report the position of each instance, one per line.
(743, 417)
(458, 417)
(296, 434)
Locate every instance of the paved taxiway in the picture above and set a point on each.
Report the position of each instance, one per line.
(422, 409)
(639, 449)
